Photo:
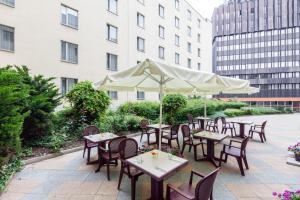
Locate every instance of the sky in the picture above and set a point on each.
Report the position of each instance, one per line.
(205, 7)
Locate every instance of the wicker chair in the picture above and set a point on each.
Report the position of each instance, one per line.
(213, 125)
(260, 130)
(129, 148)
(191, 121)
(238, 152)
(111, 154)
(227, 126)
(89, 130)
(203, 190)
(188, 141)
(145, 130)
(171, 135)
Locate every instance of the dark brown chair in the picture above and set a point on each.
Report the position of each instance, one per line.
(213, 125)
(227, 126)
(145, 130)
(128, 148)
(189, 141)
(203, 190)
(260, 130)
(171, 135)
(191, 121)
(89, 130)
(111, 154)
(238, 152)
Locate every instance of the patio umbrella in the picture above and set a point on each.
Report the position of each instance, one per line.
(153, 76)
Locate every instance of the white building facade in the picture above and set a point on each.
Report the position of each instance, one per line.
(75, 40)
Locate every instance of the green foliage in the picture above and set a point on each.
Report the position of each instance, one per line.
(88, 104)
(42, 100)
(251, 111)
(6, 171)
(12, 95)
(233, 112)
(172, 103)
(54, 141)
(146, 109)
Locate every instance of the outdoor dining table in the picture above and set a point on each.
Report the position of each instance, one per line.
(156, 128)
(242, 125)
(101, 139)
(201, 121)
(211, 138)
(158, 165)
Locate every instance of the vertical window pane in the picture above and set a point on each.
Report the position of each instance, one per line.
(140, 44)
(112, 33)
(189, 63)
(161, 11)
(112, 62)
(69, 16)
(140, 95)
(177, 58)
(8, 2)
(161, 51)
(113, 6)
(140, 20)
(6, 38)
(67, 85)
(177, 43)
(69, 52)
(161, 32)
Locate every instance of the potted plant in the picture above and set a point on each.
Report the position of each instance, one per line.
(296, 150)
(287, 195)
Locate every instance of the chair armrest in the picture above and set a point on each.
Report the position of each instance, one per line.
(103, 149)
(232, 141)
(230, 146)
(171, 187)
(196, 173)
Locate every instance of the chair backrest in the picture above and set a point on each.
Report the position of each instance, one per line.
(113, 145)
(216, 120)
(205, 186)
(175, 129)
(128, 148)
(144, 123)
(223, 120)
(90, 130)
(190, 118)
(186, 132)
(244, 144)
(263, 126)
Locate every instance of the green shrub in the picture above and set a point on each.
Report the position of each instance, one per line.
(132, 122)
(6, 171)
(261, 110)
(232, 112)
(88, 104)
(146, 109)
(172, 103)
(233, 104)
(12, 94)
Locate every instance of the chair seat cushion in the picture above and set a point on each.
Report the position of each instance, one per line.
(233, 151)
(105, 155)
(169, 136)
(186, 188)
(91, 144)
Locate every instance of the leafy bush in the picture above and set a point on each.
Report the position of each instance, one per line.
(12, 95)
(6, 171)
(172, 103)
(88, 104)
(261, 110)
(232, 112)
(146, 109)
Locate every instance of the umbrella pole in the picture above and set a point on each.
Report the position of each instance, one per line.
(160, 110)
(205, 112)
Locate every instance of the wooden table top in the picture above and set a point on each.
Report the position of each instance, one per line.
(157, 167)
(156, 126)
(102, 137)
(241, 122)
(204, 118)
(210, 136)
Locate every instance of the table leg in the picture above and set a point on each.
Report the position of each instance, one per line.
(202, 124)
(157, 189)
(100, 161)
(210, 156)
(242, 130)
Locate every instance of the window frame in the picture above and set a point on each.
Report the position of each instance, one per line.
(163, 10)
(108, 6)
(67, 85)
(67, 52)
(13, 39)
(7, 4)
(177, 55)
(109, 56)
(112, 97)
(144, 44)
(67, 21)
(160, 27)
(108, 26)
(140, 92)
(137, 20)
(161, 56)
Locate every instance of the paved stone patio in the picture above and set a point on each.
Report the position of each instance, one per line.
(68, 177)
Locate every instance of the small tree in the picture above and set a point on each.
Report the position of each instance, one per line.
(172, 103)
(88, 104)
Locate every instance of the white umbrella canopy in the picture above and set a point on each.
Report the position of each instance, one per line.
(157, 77)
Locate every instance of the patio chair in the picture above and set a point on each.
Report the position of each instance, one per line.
(238, 152)
(260, 130)
(89, 130)
(191, 121)
(189, 141)
(212, 125)
(227, 126)
(110, 154)
(202, 191)
(171, 134)
(128, 148)
(146, 130)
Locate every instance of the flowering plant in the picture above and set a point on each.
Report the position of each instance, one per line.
(288, 195)
(295, 148)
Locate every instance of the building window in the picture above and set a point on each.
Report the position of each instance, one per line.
(189, 15)
(112, 33)
(140, 44)
(112, 6)
(161, 52)
(199, 52)
(177, 40)
(177, 4)
(161, 11)
(69, 17)
(199, 38)
(161, 32)
(177, 25)
(199, 66)
(67, 84)
(8, 2)
(69, 52)
(177, 58)
(189, 47)
(7, 38)
(112, 94)
(140, 95)
(140, 20)
(111, 62)
(189, 63)
(189, 31)
(199, 23)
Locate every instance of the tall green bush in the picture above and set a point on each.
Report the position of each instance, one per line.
(172, 103)
(146, 109)
(12, 95)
